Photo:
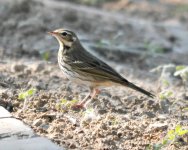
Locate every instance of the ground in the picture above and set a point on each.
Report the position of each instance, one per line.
(146, 42)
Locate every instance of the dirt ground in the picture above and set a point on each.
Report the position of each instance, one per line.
(145, 41)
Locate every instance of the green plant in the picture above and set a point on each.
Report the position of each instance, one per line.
(173, 134)
(185, 109)
(170, 138)
(45, 55)
(153, 48)
(181, 8)
(165, 82)
(68, 103)
(165, 95)
(182, 71)
(26, 94)
(180, 67)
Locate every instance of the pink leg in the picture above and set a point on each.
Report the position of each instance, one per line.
(85, 101)
(94, 94)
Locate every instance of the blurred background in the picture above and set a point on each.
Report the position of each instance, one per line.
(120, 30)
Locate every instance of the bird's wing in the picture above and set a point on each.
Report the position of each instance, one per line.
(92, 66)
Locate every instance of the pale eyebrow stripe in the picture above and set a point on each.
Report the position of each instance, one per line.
(70, 33)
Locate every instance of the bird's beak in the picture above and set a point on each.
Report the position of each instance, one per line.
(52, 33)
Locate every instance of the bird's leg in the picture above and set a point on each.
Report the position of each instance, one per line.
(81, 104)
(95, 92)
(85, 101)
(86, 98)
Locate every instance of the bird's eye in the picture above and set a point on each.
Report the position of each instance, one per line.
(64, 33)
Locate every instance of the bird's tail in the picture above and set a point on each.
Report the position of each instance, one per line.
(133, 86)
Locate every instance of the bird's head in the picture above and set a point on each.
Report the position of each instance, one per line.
(64, 37)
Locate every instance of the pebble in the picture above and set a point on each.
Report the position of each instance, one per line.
(158, 126)
(165, 104)
(39, 67)
(150, 114)
(17, 67)
(163, 116)
(44, 126)
(37, 122)
(40, 85)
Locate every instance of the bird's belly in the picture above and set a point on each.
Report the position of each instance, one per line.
(81, 78)
(75, 77)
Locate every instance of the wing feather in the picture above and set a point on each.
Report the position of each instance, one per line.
(92, 66)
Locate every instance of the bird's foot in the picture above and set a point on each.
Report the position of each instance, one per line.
(78, 106)
(85, 102)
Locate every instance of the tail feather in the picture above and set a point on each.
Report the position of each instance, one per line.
(133, 86)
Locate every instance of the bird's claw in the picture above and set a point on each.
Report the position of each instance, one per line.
(78, 106)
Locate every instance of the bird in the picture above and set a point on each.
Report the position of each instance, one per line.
(81, 67)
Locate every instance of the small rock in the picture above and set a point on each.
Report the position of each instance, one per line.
(170, 68)
(185, 95)
(71, 119)
(44, 126)
(39, 67)
(89, 116)
(183, 74)
(165, 104)
(163, 116)
(150, 114)
(149, 103)
(4, 95)
(72, 146)
(17, 67)
(127, 117)
(38, 104)
(49, 117)
(40, 85)
(158, 126)
(102, 111)
(114, 132)
(167, 77)
(37, 122)
(157, 69)
(27, 71)
(3, 103)
(16, 104)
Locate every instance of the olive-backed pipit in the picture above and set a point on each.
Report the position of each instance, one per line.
(79, 66)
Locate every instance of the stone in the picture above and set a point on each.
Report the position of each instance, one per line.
(36, 143)
(14, 128)
(37, 122)
(158, 126)
(39, 67)
(4, 113)
(17, 67)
